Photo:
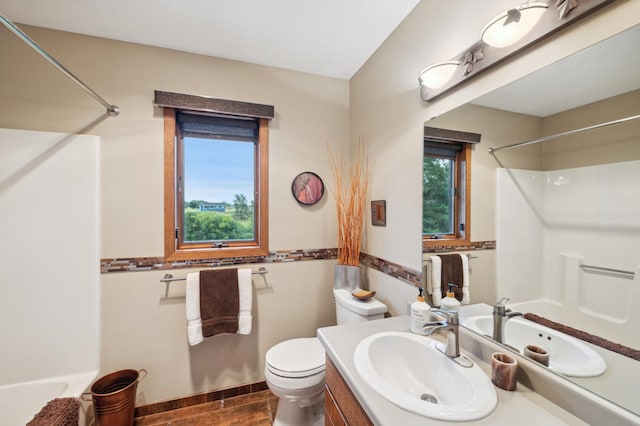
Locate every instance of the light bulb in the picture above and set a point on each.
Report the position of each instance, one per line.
(513, 24)
(438, 75)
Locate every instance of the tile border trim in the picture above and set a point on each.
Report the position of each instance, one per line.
(138, 264)
(402, 273)
(394, 270)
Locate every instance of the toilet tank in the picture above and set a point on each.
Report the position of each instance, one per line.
(350, 310)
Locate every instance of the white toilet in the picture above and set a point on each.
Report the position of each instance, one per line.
(294, 369)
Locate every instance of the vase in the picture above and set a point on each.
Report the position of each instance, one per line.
(346, 277)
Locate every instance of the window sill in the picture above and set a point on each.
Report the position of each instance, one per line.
(225, 252)
(428, 243)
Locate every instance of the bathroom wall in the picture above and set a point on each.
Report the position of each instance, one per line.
(387, 111)
(600, 146)
(140, 328)
(49, 222)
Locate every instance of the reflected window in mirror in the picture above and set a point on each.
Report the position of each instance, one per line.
(446, 187)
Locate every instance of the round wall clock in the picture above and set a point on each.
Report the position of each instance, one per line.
(307, 188)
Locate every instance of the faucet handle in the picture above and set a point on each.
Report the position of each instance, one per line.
(499, 307)
(502, 301)
(449, 316)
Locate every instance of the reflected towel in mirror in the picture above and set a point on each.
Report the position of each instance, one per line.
(454, 271)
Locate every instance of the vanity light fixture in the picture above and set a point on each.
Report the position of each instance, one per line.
(503, 37)
(513, 24)
(437, 75)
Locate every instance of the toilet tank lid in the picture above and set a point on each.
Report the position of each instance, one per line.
(366, 307)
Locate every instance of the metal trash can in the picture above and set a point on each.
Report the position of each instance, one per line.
(114, 397)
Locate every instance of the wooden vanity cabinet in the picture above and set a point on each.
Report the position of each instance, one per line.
(341, 408)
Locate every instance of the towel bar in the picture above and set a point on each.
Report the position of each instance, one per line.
(468, 257)
(602, 268)
(168, 279)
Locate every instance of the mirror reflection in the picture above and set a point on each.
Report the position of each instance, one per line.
(567, 215)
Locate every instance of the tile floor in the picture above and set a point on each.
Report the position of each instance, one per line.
(253, 409)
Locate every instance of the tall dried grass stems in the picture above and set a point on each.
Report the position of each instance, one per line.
(350, 193)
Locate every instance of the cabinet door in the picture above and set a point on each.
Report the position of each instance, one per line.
(341, 405)
(332, 414)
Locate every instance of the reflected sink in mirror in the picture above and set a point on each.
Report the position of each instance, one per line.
(411, 372)
(567, 355)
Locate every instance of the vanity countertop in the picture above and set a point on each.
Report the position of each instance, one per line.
(522, 407)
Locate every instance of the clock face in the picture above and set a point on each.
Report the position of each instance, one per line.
(307, 188)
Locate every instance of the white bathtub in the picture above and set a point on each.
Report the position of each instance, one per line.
(619, 330)
(19, 402)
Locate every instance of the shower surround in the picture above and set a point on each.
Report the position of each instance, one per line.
(49, 299)
(551, 224)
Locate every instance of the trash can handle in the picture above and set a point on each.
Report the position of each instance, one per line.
(142, 370)
(84, 395)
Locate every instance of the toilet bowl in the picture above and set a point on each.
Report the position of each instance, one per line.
(294, 369)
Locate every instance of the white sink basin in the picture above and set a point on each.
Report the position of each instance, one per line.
(409, 371)
(567, 355)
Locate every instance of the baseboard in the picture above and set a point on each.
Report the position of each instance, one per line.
(187, 401)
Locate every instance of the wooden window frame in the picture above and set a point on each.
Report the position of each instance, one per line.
(462, 172)
(174, 250)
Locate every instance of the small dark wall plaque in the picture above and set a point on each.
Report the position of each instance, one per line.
(379, 213)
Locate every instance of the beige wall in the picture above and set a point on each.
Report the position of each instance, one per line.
(139, 328)
(387, 110)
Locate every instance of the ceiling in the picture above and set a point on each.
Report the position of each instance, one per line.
(326, 37)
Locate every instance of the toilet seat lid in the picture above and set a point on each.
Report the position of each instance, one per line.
(301, 357)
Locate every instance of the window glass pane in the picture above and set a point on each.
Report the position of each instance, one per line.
(437, 196)
(218, 190)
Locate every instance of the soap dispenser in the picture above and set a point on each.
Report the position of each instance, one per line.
(450, 302)
(419, 313)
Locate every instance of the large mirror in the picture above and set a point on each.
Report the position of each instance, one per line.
(568, 209)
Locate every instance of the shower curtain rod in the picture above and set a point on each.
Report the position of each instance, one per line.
(112, 110)
(570, 132)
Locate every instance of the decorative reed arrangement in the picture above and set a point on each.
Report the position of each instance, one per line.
(351, 186)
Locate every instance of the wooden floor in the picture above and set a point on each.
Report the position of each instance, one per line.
(254, 409)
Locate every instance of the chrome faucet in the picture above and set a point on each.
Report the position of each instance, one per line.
(447, 325)
(500, 317)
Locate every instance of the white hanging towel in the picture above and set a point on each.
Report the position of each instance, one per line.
(466, 291)
(194, 324)
(434, 282)
(245, 292)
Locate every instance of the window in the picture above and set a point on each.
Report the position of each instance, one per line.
(446, 187)
(216, 189)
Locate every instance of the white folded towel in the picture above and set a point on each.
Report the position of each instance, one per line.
(245, 293)
(466, 291)
(194, 320)
(434, 284)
